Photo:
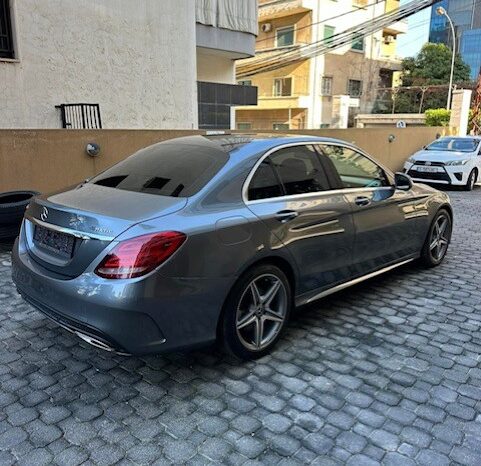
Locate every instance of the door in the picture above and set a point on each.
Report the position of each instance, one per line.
(385, 218)
(291, 194)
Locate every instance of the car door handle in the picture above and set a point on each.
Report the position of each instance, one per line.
(362, 201)
(286, 215)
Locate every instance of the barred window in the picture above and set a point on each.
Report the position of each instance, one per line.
(6, 36)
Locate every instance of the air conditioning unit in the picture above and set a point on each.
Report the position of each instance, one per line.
(389, 39)
(266, 27)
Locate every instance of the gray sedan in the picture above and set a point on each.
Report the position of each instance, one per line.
(204, 239)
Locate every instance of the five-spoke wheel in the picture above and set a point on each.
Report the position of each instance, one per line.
(438, 239)
(256, 312)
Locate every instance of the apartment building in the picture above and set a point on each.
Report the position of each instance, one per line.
(326, 90)
(165, 64)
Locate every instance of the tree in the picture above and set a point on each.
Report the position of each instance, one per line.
(430, 67)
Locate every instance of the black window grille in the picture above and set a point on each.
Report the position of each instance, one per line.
(80, 116)
(6, 36)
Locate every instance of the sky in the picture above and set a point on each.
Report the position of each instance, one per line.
(410, 44)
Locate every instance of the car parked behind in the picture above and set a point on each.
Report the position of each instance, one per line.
(450, 160)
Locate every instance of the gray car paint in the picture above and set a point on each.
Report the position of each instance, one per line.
(179, 304)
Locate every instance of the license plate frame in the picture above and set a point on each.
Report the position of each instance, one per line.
(62, 244)
(428, 169)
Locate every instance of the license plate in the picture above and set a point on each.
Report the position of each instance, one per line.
(428, 169)
(55, 241)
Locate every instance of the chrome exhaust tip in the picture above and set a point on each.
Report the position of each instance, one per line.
(98, 343)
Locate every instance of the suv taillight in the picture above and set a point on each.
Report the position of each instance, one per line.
(138, 256)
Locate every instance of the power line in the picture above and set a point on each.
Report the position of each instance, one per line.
(320, 47)
(377, 2)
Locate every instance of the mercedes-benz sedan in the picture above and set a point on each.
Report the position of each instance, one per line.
(200, 239)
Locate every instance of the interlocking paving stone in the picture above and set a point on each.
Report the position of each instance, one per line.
(385, 373)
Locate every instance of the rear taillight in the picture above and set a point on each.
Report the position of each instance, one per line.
(138, 256)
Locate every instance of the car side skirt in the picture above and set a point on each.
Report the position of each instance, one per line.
(300, 301)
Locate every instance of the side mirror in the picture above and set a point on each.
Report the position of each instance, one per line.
(402, 181)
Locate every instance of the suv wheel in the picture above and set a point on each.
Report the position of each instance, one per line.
(256, 312)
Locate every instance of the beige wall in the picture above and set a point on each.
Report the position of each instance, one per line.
(46, 160)
(301, 22)
(265, 119)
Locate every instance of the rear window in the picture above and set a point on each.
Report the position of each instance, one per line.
(174, 170)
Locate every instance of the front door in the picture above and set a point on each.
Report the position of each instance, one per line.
(385, 219)
(291, 194)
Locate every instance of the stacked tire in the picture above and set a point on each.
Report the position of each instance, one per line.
(12, 209)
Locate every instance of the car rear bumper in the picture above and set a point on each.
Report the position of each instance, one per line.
(138, 317)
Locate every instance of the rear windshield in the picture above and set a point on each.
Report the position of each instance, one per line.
(454, 145)
(174, 170)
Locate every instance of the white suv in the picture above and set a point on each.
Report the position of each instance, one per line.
(451, 160)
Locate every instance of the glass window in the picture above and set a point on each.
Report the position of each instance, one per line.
(358, 44)
(245, 82)
(355, 169)
(454, 145)
(166, 169)
(244, 126)
(354, 87)
(299, 170)
(328, 33)
(326, 85)
(264, 184)
(285, 36)
(282, 87)
(280, 126)
(6, 36)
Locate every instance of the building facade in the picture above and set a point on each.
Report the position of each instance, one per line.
(325, 90)
(466, 17)
(144, 64)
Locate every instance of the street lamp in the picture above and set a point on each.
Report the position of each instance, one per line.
(442, 12)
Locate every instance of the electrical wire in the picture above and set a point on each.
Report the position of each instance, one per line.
(285, 58)
(377, 2)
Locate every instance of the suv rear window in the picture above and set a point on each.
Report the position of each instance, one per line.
(165, 169)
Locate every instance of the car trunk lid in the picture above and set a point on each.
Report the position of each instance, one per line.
(66, 231)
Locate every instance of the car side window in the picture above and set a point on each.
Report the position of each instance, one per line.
(299, 170)
(264, 184)
(355, 169)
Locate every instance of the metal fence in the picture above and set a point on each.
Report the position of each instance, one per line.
(80, 116)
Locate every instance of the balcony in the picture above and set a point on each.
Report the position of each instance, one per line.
(272, 9)
(399, 27)
(227, 26)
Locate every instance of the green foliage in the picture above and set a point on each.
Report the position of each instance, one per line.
(431, 67)
(437, 117)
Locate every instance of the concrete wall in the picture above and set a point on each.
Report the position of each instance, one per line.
(135, 58)
(214, 67)
(47, 160)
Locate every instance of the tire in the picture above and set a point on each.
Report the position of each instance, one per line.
(242, 324)
(432, 255)
(469, 186)
(9, 231)
(13, 205)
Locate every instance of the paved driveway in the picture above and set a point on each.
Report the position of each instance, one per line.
(388, 372)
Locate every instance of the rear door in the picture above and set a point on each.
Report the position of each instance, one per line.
(291, 193)
(385, 218)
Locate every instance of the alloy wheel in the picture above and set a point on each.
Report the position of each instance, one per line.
(261, 312)
(440, 236)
